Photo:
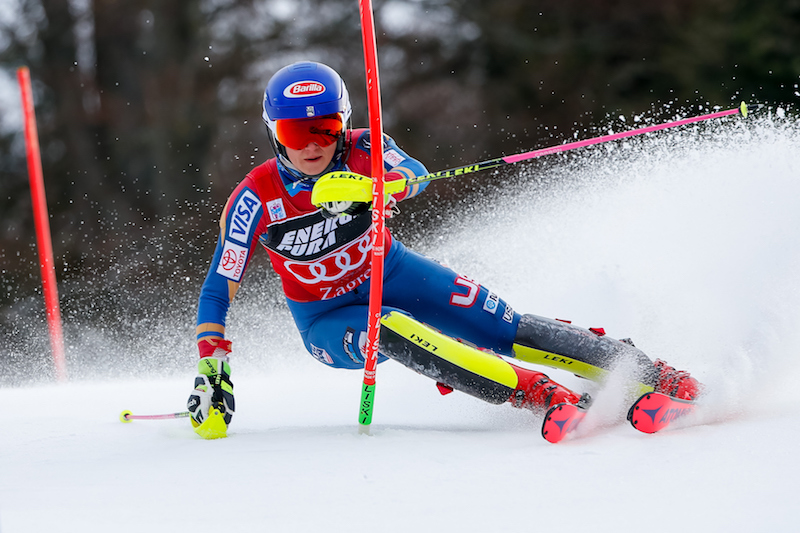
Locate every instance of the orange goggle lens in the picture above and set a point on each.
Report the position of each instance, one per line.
(297, 133)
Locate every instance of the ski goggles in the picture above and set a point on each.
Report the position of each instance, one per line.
(297, 133)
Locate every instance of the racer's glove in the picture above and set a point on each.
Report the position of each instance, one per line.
(211, 404)
(348, 193)
(337, 209)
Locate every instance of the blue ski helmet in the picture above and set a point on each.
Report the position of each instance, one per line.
(303, 90)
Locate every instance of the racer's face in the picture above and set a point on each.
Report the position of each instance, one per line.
(313, 159)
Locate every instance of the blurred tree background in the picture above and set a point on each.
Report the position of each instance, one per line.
(149, 111)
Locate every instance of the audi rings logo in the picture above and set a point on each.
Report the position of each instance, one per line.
(333, 266)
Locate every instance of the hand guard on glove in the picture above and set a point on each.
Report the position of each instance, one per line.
(347, 193)
(337, 209)
(211, 404)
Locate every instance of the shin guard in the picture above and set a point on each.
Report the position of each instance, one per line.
(461, 367)
(585, 353)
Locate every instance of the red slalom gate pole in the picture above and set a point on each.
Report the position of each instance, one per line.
(42, 222)
(378, 219)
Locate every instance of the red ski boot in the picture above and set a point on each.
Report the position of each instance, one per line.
(676, 383)
(536, 391)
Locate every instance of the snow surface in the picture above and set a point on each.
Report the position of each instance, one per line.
(686, 242)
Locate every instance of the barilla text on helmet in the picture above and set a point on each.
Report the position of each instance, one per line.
(300, 89)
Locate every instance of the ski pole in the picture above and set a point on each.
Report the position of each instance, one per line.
(509, 160)
(127, 416)
(330, 192)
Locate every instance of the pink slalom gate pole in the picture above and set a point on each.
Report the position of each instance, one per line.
(42, 223)
(508, 160)
(616, 136)
(378, 219)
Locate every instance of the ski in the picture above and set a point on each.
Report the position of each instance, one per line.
(655, 411)
(560, 420)
(652, 412)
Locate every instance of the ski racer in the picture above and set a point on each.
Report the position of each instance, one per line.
(322, 255)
